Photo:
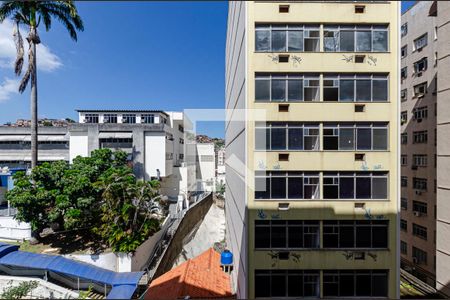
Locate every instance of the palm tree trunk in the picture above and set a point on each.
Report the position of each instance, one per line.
(34, 109)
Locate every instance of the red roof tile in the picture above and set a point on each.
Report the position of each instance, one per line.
(200, 277)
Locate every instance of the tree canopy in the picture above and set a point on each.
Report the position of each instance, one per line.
(97, 195)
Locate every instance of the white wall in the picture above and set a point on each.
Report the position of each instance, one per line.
(207, 165)
(78, 145)
(14, 230)
(155, 154)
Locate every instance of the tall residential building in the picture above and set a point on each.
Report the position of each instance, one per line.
(443, 148)
(418, 141)
(312, 154)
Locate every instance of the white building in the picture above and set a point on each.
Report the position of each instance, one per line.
(206, 168)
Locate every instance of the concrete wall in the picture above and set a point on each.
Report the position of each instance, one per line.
(443, 149)
(206, 167)
(155, 154)
(419, 23)
(78, 145)
(12, 229)
(189, 222)
(235, 143)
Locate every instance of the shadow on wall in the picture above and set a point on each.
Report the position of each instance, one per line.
(428, 147)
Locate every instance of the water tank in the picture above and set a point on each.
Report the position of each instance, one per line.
(226, 258)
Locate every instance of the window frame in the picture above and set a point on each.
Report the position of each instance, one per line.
(338, 28)
(111, 118)
(338, 275)
(91, 117)
(286, 28)
(307, 178)
(127, 117)
(336, 127)
(336, 178)
(337, 78)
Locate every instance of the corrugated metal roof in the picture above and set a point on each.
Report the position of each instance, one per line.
(121, 292)
(10, 256)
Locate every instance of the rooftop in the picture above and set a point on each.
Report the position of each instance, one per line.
(122, 111)
(200, 277)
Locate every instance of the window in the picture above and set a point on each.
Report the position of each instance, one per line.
(404, 181)
(420, 65)
(110, 118)
(180, 128)
(404, 29)
(420, 113)
(403, 225)
(420, 183)
(129, 118)
(359, 38)
(404, 160)
(403, 117)
(286, 87)
(421, 42)
(404, 51)
(355, 283)
(286, 185)
(420, 231)
(370, 136)
(419, 256)
(91, 118)
(355, 185)
(420, 207)
(404, 203)
(404, 138)
(404, 94)
(292, 136)
(291, 234)
(420, 89)
(420, 137)
(420, 160)
(404, 73)
(287, 283)
(355, 234)
(359, 88)
(147, 119)
(403, 248)
(181, 141)
(116, 143)
(287, 38)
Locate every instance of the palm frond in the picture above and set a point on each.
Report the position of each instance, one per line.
(29, 73)
(65, 12)
(18, 41)
(8, 8)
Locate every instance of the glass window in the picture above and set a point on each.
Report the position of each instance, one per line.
(380, 41)
(286, 185)
(356, 38)
(286, 87)
(359, 185)
(283, 38)
(286, 136)
(262, 89)
(286, 283)
(363, 90)
(347, 41)
(147, 118)
(129, 118)
(368, 88)
(363, 41)
(346, 90)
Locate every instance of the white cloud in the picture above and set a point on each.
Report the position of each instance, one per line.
(47, 61)
(8, 88)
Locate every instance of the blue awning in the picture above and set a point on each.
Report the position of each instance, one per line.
(121, 292)
(121, 282)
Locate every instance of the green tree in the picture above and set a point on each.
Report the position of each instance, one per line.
(131, 210)
(63, 196)
(30, 14)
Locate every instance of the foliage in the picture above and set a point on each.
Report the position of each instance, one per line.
(20, 291)
(220, 188)
(98, 192)
(131, 210)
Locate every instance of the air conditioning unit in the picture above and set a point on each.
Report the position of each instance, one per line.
(415, 260)
(418, 192)
(413, 167)
(417, 213)
(419, 120)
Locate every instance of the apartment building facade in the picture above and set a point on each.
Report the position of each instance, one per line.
(418, 141)
(312, 152)
(443, 147)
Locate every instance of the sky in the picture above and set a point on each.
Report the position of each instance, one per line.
(138, 55)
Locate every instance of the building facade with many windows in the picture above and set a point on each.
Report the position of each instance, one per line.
(418, 149)
(312, 148)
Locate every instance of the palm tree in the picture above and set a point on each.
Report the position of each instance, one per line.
(30, 13)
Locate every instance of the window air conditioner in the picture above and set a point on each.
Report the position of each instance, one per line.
(418, 193)
(417, 214)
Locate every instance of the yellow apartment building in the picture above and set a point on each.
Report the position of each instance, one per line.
(312, 148)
